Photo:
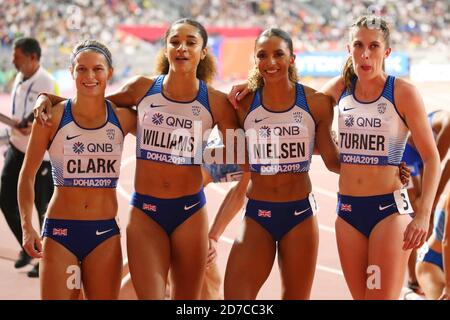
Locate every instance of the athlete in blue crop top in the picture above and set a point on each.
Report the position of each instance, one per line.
(282, 120)
(433, 259)
(81, 239)
(439, 121)
(375, 113)
(168, 227)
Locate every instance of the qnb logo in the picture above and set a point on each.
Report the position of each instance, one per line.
(175, 122)
(157, 118)
(78, 147)
(100, 147)
(368, 122)
(264, 132)
(286, 131)
(349, 121)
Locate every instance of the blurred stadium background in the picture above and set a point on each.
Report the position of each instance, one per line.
(133, 29)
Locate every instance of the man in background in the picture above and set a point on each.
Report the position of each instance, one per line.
(30, 80)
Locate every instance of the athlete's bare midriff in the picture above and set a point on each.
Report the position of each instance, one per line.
(163, 180)
(83, 203)
(365, 180)
(280, 187)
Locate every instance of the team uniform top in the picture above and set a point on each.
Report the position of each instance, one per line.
(412, 157)
(439, 224)
(371, 133)
(280, 142)
(25, 93)
(171, 131)
(84, 157)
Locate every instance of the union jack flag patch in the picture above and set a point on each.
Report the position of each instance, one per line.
(59, 232)
(346, 207)
(264, 213)
(149, 207)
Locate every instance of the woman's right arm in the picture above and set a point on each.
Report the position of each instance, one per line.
(333, 88)
(40, 137)
(233, 202)
(43, 107)
(128, 96)
(131, 92)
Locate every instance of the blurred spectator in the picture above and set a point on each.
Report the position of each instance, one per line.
(315, 25)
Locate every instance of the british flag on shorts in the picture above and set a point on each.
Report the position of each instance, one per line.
(59, 232)
(264, 213)
(346, 207)
(149, 207)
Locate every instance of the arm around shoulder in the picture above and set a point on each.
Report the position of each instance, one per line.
(321, 108)
(410, 105)
(127, 118)
(131, 92)
(334, 88)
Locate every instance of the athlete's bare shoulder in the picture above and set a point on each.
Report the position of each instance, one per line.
(57, 112)
(317, 98)
(334, 88)
(403, 87)
(213, 93)
(405, 92)
(140, 81)
(127, 118)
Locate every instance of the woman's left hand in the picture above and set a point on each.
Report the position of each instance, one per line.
(212, 253)
(416, 232)
(405, 173)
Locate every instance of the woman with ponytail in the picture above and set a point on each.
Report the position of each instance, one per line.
(376, 227)
(283, 120)
(168, 226)
(80, 244)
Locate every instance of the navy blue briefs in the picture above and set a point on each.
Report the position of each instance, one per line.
(364, 213)
(278, 218)
(169, 213)
(426, 254)
(80, 237)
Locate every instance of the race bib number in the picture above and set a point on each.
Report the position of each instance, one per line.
(402, 201)
(313, 203)
(279, 148)
(91, 160)
(363, 140)
(167, 134)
